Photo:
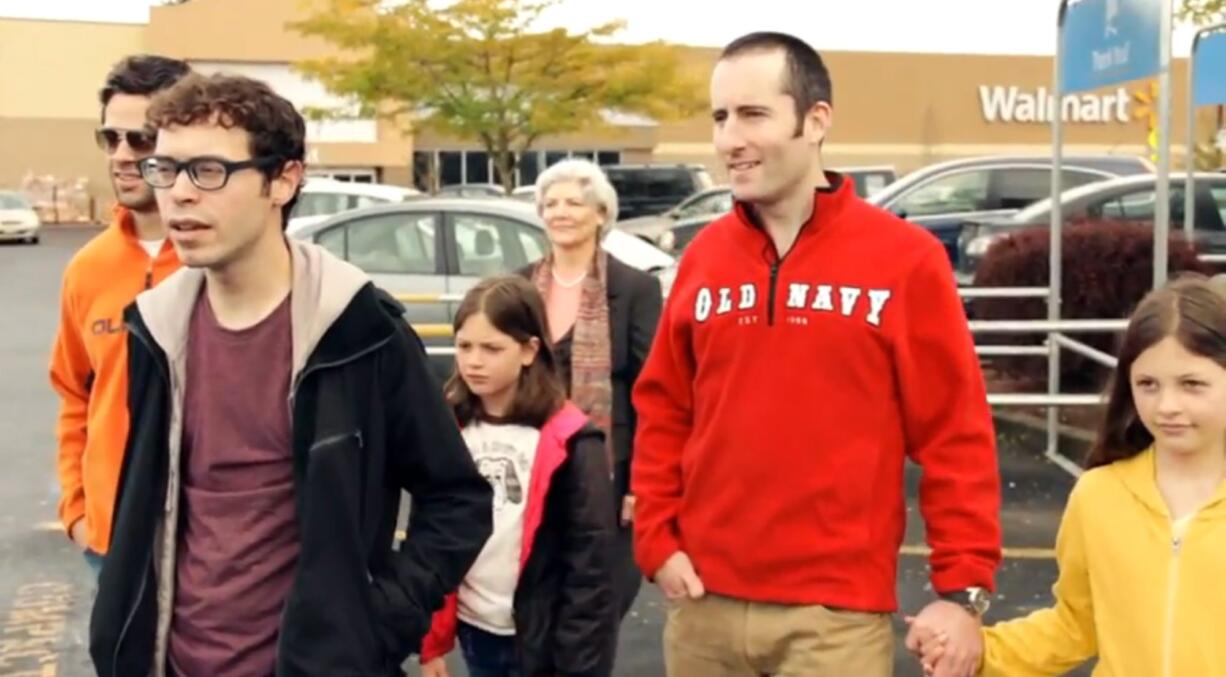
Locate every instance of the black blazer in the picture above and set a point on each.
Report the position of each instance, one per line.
(635, 300)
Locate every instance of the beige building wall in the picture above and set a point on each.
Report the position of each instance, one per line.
(234, 30)
(260, 32)
(50, 73)
(909, 110)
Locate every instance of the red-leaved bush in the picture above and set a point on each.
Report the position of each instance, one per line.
(1107, 268)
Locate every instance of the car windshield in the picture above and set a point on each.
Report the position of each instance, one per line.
(13, 201)
(652, 182)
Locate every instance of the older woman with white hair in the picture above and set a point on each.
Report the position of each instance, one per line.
(603, 315)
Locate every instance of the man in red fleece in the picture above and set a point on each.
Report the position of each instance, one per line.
(810, 344)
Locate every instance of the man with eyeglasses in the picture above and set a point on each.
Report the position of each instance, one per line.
(280, 405)
(87, 361)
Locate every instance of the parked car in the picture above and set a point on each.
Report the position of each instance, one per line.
(685, 230)
(18, 220)
(699, 208)
(473, 190)
(1130, 198)
(658, 229)
(321, 198)
(446, 245)
(870, 180)
(646, 190)
(943, 196)
(673, 230)
(525, 193)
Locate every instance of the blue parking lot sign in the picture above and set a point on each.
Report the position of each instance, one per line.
(1209, 83)
(1106, 42)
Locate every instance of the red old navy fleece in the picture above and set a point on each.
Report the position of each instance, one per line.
(779, 401)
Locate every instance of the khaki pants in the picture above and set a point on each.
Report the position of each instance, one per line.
(722, 637)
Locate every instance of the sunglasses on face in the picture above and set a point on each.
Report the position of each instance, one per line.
(205, 173)
(139, 140)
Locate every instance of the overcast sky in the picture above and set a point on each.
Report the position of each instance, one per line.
(983, 26)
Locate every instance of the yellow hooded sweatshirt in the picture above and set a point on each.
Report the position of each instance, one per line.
(1144, 594)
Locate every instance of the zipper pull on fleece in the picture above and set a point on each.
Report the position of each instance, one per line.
(770, 297)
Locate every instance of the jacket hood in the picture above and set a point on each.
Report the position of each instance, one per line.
(1139, 475)
(321, 289)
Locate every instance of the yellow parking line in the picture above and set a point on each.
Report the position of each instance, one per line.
(1010, 553)
(433, 330)
(419, 298)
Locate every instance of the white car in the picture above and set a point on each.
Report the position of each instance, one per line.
(321, 198)
(446, 245)
(18, 220)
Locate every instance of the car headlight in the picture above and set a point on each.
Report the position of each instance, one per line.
(666, 241)
(979, 245)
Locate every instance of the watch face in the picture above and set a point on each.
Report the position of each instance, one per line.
(979, 599)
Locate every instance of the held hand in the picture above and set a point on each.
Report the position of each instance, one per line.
(627, 515)
(435, 668)
(678, 579)
(926, 644)
(957, 633)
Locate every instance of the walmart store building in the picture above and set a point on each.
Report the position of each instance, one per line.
(904, 110)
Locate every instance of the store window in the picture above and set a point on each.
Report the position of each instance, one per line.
(435, 169)
(476, 167)
(452, 167)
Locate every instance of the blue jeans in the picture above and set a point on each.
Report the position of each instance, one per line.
(487, 654)
(94, 561)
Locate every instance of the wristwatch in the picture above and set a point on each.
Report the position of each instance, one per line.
(974, 600)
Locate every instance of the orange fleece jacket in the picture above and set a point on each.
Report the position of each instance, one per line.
(89, 370)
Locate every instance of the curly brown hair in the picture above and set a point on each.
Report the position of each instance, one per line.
(275, 128)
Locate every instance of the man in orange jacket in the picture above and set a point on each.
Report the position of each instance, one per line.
(88, 360)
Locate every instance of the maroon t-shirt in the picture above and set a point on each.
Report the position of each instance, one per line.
(238, 543)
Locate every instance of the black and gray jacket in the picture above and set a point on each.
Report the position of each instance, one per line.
(368, 422)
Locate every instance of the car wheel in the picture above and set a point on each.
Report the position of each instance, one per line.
(33, 239)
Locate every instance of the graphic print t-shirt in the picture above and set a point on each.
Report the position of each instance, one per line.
(504, 454)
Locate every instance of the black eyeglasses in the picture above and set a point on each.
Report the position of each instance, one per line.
(206, 173)
(139, 140)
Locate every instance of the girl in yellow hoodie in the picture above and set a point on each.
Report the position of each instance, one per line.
(1142, 545)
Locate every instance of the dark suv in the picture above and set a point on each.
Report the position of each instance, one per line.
(646, 190)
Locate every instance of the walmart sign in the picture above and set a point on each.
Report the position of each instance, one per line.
(1014, 104)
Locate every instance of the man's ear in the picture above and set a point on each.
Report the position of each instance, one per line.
(818, 122)
(285, 186)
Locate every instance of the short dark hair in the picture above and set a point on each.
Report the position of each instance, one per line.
(515, 308)
(276, 129)
(141, 75)
(1192, 309)
(807, 80)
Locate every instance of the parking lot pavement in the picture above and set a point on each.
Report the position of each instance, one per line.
(45, 590)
